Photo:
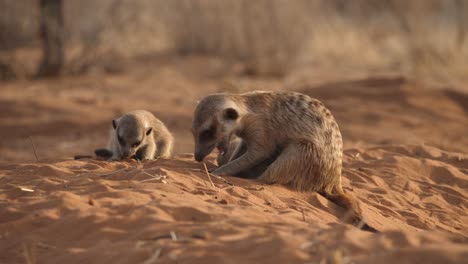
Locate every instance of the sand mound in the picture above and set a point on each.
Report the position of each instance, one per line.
(166, 211)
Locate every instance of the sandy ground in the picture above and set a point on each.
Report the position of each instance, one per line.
(405, 160)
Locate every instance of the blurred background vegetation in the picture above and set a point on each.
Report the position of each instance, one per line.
(418, 38)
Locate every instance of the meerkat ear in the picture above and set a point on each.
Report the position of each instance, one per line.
(230, 113)
(114, 124)
(148, 131)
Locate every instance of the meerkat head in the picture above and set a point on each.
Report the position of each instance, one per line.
(131, 134)
(215, 119)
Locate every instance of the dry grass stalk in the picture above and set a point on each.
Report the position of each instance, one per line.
(153, 257)
(28, 253)
(26, 189)
(208, 174)
(155, 178)
(45, 246)
(34, 148)
(110, 173)
(173, 236)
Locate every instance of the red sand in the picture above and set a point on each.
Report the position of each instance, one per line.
(403, 160)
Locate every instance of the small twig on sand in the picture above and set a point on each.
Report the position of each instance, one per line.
(224, 180)
(154, 257)
(26, 189)
(155, 178)
(173, 236)
(28, 253)
(34, 148)
(45, 246)
(106, 174)
(303, 215)
(208, 174)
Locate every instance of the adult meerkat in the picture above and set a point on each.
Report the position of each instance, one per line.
(138, 133)
(294, 135)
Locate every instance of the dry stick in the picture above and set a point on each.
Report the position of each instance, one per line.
(106, 174)
(28, 254)
(155, 178)
(224, 180)
(45, 246)
(154, 257)
(208, 174)
(34, 148)
(26, 189)
(173, 236)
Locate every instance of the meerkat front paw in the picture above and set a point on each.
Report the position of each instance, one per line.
(217, 172)
(221, 172)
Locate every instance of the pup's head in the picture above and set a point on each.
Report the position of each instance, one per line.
(215, 119)
(132, 133)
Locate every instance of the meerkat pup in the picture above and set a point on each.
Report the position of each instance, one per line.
(292, 138)
(140, 134)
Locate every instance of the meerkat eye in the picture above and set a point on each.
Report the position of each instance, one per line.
(207, 134)
(230, 114)
(136, 144)
(121, 141)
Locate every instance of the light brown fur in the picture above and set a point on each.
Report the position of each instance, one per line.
(299, 132)
(139, 126)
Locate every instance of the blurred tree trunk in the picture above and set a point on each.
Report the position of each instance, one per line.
(52, 36)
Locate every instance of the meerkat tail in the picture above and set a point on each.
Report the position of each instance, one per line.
(354, 214)
(77, 157)
(104, 153)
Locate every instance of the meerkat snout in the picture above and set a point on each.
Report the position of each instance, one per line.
(213, 130)
(131, 138)
(205, 142)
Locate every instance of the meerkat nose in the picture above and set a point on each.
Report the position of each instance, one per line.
(199, 157)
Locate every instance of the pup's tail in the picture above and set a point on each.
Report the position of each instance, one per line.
(77, 157)
(103, 153)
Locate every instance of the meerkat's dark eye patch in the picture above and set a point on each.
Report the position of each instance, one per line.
(230, 114)
(136, 144)
(120, 139)
(207, 134)
(148, 132)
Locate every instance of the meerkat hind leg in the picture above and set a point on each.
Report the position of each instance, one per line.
(164, 149)
(258, 169)
(299, 167)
